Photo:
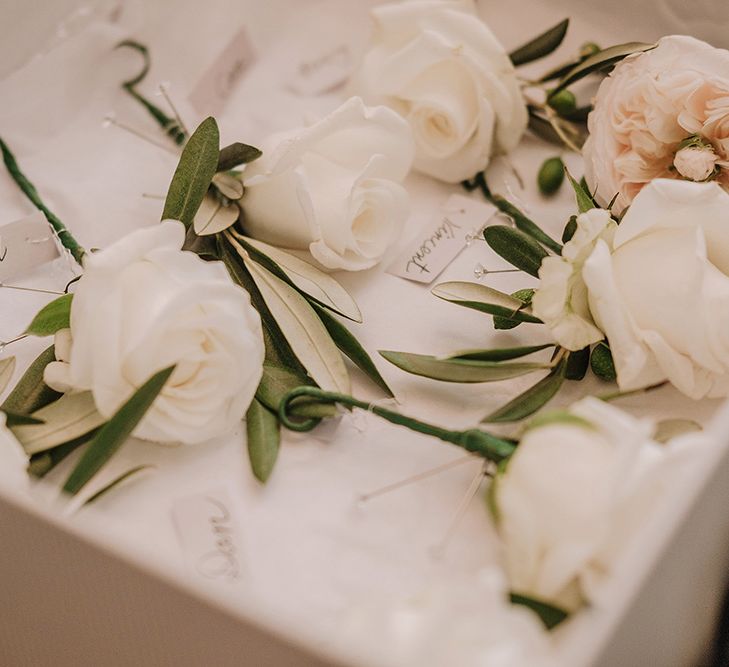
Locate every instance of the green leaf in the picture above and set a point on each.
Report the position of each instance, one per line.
(116, 482)
(53, 317)
(550, 615)
(601, 59)
(542, 128)
(306, 277)
(569, 229)
(524, 223)
(42, 463)
(7, 368)
(498, 354)
(459, 370)
(540, 46)
(236, 154)
(115, 432)
(528, 402)
(348, 344)
(584, 201)
(194, 173)
(14, 419)
(68, 418)
(229, 186)
(524, 295)
(577, 364)
(601, 362)
(516, 247)
(264, 439)
(213, 216)
(484, 299)
(302, 328)
(31, 393)
(277, 381)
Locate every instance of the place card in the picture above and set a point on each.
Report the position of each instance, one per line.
(25, 245)
(210, 535)
(323, 71)
(211, 93)
(440, 242)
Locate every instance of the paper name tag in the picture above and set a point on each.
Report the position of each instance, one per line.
(322, 72)
(213, 90)
(25, 245)
(210, 535)
(439, 243)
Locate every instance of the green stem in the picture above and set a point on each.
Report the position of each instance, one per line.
(28, 189)
(473, 440)
(170, 125)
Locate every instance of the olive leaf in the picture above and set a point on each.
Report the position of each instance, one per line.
(550, 615)
(600, 60)
(302, 328)
(498, 354)
(31, 393)
(264, 439)
(540, 46)
(116, 482)
(601, 362)
(307, 278)
(534, 398)
(229, 186)
(115, 432)
(577, 364)
(348, 344)
(484, 299)
(236, 154)
(585, 202)
(43, 462)
(7, 368)
(459, 370)
(68, 418)
(195, 170)
(525, 295)
(516, 247)
(213, 216)
(53, 317)
(569, 229)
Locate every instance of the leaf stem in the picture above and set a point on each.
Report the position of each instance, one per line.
(474, 440)
(29, 190)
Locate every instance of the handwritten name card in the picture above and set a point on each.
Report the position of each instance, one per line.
(440, 242)
(210, 536)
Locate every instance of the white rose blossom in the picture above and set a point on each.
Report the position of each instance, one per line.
(439, 66)
(574, 494)
(334, 188)
(645, 112)
(143, 305)
(656, 286)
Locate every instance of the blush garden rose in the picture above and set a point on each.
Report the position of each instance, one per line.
(334, 188)
(142, 305)
(660, 114)
(441, 68)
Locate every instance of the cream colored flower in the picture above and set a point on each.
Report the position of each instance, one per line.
(561, 301)
(646, 110)
(143, 305)
(440, 67)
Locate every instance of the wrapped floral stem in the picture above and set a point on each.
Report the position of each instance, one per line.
(28, 189)
(473, 440)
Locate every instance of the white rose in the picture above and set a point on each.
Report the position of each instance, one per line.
(143, 305)
(561, 301)
(647, 107)
(573, 495)
(440, 67)
(661, 292)
(333, 188)
(695, 163)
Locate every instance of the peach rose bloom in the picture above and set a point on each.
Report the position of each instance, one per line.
(660, 114)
